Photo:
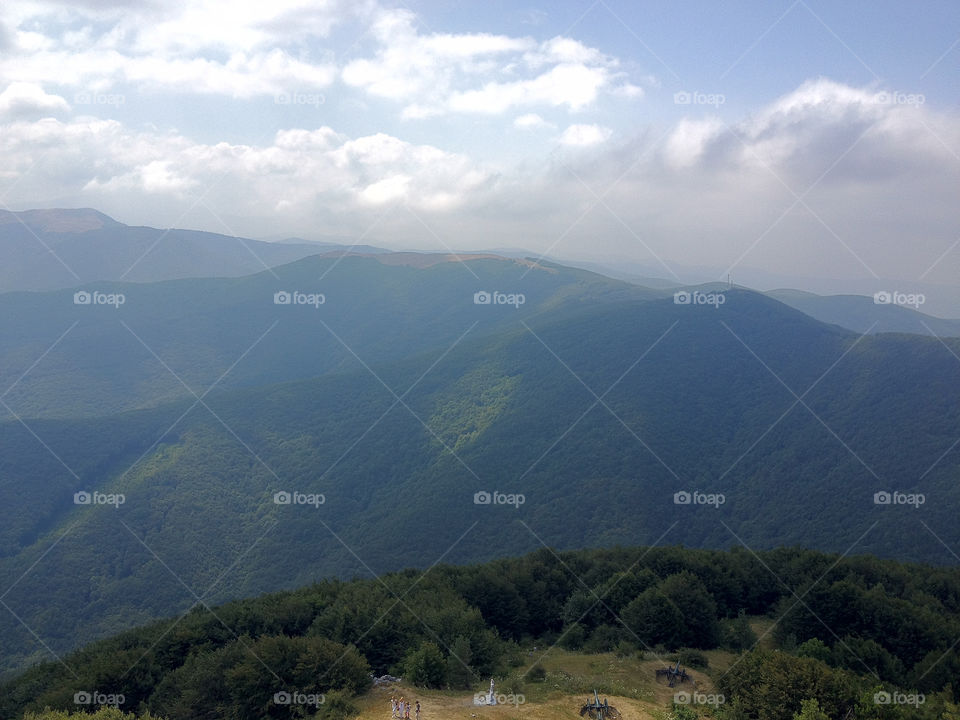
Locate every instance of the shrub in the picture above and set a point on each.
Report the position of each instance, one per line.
(337, 705)
(692, 658)
(425, 666)
(574, 638)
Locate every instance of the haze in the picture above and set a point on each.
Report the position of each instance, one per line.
(799, 144)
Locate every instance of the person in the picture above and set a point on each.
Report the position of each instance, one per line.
(393, 706)
(418, 710)
(406, 711)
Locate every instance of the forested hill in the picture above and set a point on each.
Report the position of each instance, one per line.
(157, 342)
(840, 630)
(603, 422)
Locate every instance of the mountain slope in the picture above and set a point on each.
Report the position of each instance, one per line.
(62, 248)
(861, 314)
(867, 625)
(99, 359)
(692, 398)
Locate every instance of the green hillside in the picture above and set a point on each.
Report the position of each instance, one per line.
(838, 630)
(60, 359)
(692, 399)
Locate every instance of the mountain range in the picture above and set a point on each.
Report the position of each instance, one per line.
(196, 439)
(65, 248)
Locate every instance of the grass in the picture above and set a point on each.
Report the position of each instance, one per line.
(447, 705)
(763, 628)
(629, 684)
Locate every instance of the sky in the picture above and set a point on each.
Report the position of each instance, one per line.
(802, 139)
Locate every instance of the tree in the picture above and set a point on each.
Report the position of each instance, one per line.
(103, 713)
(623, 587)
(770, 685)
(654, 619)
(582, 607)
(814, 648)
(810, 710)
(425, 666)
(690, 596)
(573, 637)
(736, 633)
(460, 675)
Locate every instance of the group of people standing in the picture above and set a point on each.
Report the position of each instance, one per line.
(400, 709)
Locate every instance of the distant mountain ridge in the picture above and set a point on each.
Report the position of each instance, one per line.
(49, 249)
(58, 220)
(864, 314)
(63, 248)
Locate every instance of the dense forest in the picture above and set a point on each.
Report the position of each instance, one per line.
(847, 628)
(598, 413)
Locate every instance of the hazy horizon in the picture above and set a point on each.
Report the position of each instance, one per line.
(788, 141)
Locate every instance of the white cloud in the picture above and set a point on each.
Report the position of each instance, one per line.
(566, 50)
(689, 139)
(21, 100)
(257, 48)
(875, 182)
(584, 135)
(243, 25)
(241, 75)
(529, 121)
(573, 85)
(436, 74)
(387, 190)
(253, 48)
(104, 163)
(709, 190)
(416, 68)
(801, 134)
(628, 90)
(156, 177)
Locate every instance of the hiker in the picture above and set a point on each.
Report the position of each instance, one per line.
(418, 710)
(394, 706)
(406, 711)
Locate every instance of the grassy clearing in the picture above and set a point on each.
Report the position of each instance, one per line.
(629, 683)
